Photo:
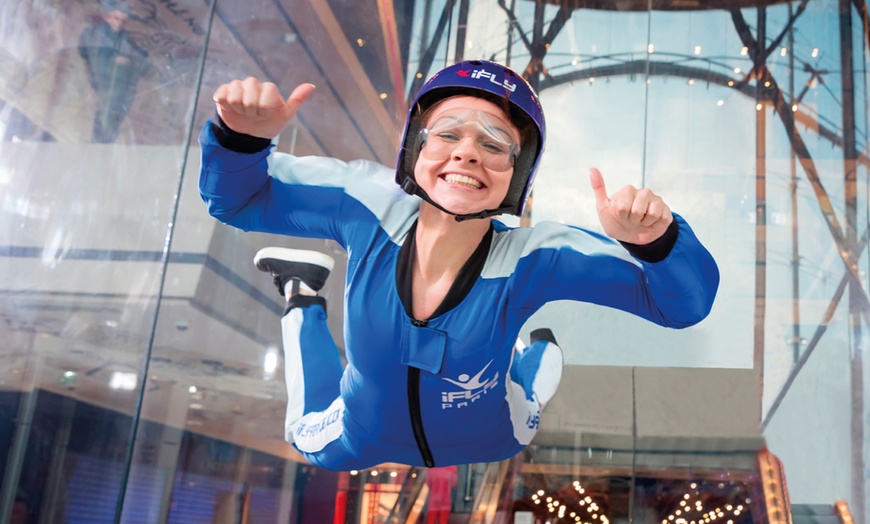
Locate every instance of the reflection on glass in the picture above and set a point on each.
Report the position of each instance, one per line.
(115, 64)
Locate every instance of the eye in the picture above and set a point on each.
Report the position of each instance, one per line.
(448, 137)
(494, 148)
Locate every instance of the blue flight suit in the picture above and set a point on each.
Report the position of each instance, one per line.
(449, 389)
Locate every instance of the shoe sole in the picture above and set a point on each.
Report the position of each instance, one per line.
(293, 255)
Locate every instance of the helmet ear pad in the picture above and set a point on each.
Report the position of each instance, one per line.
(412, 146)
(524, 163)
(523, 167)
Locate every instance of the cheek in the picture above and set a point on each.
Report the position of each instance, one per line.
(503, 181)
(423, 170)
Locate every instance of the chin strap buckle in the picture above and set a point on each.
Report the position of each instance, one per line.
(409, 186)
(481, 214)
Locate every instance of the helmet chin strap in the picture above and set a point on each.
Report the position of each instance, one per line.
(412, 188)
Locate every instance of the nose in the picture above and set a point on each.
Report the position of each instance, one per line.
(466, 151)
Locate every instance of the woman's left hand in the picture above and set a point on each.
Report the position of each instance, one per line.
(636, 216)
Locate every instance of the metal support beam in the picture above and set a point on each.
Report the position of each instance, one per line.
(512, 23)
(793, 197)
(813, 342)
(857, 308)
(786, 115)
(428, 55)
(461, 28)
(760, 221)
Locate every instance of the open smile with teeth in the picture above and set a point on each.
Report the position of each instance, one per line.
(462, 180)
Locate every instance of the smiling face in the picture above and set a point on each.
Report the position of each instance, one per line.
(466, 163)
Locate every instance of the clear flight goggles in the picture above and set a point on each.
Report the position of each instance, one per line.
(490, 136)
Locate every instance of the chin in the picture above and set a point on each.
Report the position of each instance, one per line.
(464, 210)
(462, 205)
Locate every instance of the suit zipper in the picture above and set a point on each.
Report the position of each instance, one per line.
(414, 408)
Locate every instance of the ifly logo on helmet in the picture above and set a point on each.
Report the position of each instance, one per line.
(483, 74)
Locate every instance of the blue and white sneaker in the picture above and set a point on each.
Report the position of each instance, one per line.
(538, 369)
(303, 268)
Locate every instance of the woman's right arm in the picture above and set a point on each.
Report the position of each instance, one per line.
(237, 161)
(247, 185)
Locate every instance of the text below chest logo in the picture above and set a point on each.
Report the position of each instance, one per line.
(313, 430)
(471, 389)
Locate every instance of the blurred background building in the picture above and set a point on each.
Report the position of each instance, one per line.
(140, 362)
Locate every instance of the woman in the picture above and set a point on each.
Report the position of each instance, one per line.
(437, 290)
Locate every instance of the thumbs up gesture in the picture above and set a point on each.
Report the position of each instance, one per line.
(636, 216)
(257, 108)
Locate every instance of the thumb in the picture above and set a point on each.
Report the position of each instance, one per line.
(597, 181)
(297, 98)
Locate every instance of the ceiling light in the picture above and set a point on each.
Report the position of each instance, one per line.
(123, 380)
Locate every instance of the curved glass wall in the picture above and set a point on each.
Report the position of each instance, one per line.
(141, 373)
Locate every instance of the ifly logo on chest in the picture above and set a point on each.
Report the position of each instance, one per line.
(472, 389)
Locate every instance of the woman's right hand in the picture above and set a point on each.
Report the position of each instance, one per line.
(257, 108)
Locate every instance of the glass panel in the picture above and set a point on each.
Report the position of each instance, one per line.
(733, 118)
(814, 316)
(96, 104)
(216, 389)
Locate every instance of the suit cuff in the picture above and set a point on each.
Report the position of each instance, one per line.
(238, 142)
(658, 249)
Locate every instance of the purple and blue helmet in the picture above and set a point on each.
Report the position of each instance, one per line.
(500, 85)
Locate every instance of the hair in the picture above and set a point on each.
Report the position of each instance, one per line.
(109, 6)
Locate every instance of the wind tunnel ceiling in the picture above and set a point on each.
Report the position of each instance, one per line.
(353, 51)
(339, 45)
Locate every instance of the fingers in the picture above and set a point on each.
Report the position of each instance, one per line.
(657, 210)
(269, 99)
(248, 97)
(598, 188)
(300, 94)
(632, 215)
(221, 98)
(220, 93)
(257, 108)
(298, 97)
(230, 97)
(642, 206)
(630, 204)
(638, 206)
(254, 98)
